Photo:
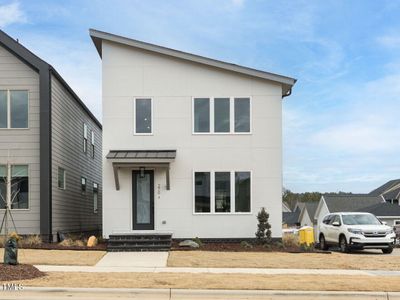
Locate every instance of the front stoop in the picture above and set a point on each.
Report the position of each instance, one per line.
(139, 242)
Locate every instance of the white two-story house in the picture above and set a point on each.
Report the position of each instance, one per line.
(191, 145)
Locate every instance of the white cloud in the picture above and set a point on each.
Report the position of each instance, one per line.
(389, 41)
(11, 14)
(238, 3)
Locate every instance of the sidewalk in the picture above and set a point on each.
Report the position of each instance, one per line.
(103, 293)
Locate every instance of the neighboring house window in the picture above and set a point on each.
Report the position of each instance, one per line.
(14, 109)
(85, 138)
(222, 192)
(3, 186)
(202, 192)
(221, 115)
(143, 116)
(92, 144)
(19, 187)
(61, 178)
(95, 197)
(83, 185)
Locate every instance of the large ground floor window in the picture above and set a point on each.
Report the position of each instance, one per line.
(222, 192)
(16, 178)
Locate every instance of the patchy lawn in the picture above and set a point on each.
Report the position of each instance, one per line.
(282, 260)
(217, 281)
(57, 257)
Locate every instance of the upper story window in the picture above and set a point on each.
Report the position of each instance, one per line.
(95, 197)
(61, 178)
(92, 144)
(14, 109)
(229, 115)
(19, 184)
(85, 137)
(143, 116)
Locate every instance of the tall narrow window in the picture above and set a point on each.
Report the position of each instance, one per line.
(143, 116)
(202, 193)
(221, 115)
(3, 186)
(242, 114)
(61, 178)
(19, 109)
(201, 115)
(3, 109)
(19, 187)
(85, 137)
(222, 191)
(95, 197)
(242, 191)
(83, 185)
(92, 144)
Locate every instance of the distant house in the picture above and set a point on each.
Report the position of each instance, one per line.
(307, 214)
(386, 212)
(291, 219)
(343, 203)
(285, 207)
(390, 191)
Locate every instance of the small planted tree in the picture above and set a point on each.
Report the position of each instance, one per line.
(263, 233)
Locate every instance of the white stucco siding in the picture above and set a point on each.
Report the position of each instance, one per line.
(172, 83)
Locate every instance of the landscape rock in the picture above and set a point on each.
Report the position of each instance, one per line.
(189, 243)
(92, 241)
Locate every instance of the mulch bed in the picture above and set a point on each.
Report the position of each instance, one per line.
(19, 272)
(56, 246)
(237, 247)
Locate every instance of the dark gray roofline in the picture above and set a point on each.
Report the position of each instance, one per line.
(97, 37)
(37, 63)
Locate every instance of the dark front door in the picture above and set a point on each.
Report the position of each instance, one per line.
(143, 200)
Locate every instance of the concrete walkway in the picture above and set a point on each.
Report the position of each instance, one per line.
(134, 259)
(108, 269)
(167, 294)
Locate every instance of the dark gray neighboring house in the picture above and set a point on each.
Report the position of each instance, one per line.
(291, 219)
(50, 148)
(387, 212)
(390, 191)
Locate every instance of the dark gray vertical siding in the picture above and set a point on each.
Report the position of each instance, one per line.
(71, 210)
(21, 146)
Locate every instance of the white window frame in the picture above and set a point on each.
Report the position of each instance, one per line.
(231, 116)
(65, 178)
(394, 222)
(152, 116)
(85, 137)
(9, 109)
(212, 192)
(92, 143)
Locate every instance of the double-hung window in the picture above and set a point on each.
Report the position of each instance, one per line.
(85, 137)
(83, 185)
(222, 192)
(13, 109)
(61, 178)
(19, 185)
(92, 142)
(143, 116)
(229, 115)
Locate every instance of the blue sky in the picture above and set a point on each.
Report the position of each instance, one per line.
(341, 124)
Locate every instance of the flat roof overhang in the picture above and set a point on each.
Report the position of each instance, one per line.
(141, 159)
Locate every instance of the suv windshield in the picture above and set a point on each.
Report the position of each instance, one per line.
(358, 219)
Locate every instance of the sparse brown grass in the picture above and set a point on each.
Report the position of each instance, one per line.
(217, 281)
(283, 260)
(57, 257)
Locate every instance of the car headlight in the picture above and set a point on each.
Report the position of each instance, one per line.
(390, 231)
(354, 231)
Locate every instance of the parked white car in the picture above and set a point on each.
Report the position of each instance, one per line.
(353, 230)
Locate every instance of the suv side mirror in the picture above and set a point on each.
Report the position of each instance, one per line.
(336, 223)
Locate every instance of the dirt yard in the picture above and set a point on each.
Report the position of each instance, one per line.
(283, 260)
(57, 257)
(217, 281)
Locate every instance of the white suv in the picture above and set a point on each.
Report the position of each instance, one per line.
(352, 230)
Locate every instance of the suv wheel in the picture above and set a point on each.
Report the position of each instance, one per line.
(388, 250)
(343, 244)
(322, 242)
